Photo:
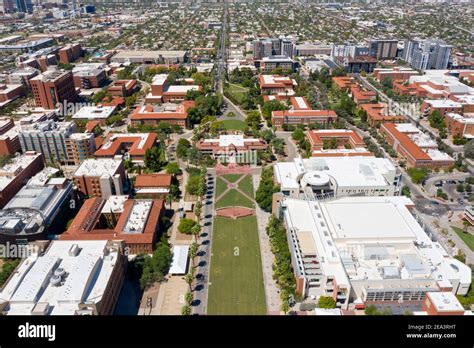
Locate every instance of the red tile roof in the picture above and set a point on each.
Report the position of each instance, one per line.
(153, 180)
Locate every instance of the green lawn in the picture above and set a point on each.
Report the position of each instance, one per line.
(234, 198)
(238, 92)
(221, 186)
(232, 177)
(246, 186)
(233, 124)
(467, 238)
(236, 280)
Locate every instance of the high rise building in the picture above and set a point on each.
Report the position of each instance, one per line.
(427, 54)
(383, 48)
(6, 6)
(268, 47)
(20, 5)
(53, 87)
(57, 141)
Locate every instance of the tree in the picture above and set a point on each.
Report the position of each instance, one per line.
(198, 210)
(173, 168)
(193, 250)
(188, 298)
(469, 149)
(253, 119)
(4, 160)
(406, 191)
(156, 266)
(326, 302)
(418, 175)
(285, 307)
(298, 134)
(195, 231)
(186, 310)
(266, 189)
(188, 278)
(186, 226)
(194, 185)
(182, 148)
(155, 158)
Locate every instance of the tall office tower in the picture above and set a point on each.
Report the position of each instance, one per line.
(383, 48)
(287, 48)
(427, 54)
(268, 47)
(53, 87)
(257, 49)
(6, 6)
(439, 59)
(20, 5)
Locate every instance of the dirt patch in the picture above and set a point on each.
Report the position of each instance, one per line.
(235, 212)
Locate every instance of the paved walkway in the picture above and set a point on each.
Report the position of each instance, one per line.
(272, 295)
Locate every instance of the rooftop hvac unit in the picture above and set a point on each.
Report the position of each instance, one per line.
(74, 250)
(60, 272)
(55, 280)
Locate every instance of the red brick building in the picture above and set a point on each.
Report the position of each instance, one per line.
(137, 224)
(152, 115)
(344, 83)
(103, 177)
(306, 117)
(459, 125)
(9, 141)
(15, 174)
(133, 144)
(70, 53)
(336, 142)
(53, 87)
(361, 96)
(10, 92)
(395, 73)
(122, 88)
(442, 303)
(163, 91)
(415, 154)
(274, 84)
(152, 185)
(378, 113)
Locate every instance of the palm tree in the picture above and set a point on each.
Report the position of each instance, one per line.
(285, 307)
(193, 249)
(186, 310)
(189, 298)
(188, 278)
(169, 199)
(195, 230)
(198, 210)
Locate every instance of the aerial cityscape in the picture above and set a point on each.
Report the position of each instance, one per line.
(236, 158)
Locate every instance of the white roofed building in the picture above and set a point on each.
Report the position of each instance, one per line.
(69, 278)
(367, 250)
(327, 177)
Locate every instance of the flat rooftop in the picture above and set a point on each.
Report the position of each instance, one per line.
(138, 216)
(9, 171)
(94, 112)
(83, 270)
(98, 167)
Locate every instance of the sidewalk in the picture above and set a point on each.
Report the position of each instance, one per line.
(271, 288)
